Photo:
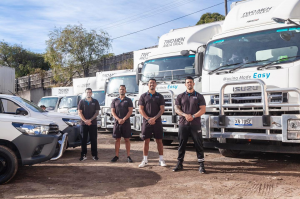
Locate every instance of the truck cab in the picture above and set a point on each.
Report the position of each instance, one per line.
(170, 63)
(127, 78)
(250, 79)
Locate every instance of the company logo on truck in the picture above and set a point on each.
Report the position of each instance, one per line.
(245, 88)
(63, 91)
(144, 56)
(174, 42)
(256, 12)
(244, 77)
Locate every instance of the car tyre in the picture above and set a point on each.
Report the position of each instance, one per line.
(8, 164)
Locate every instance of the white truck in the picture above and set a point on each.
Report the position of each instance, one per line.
(52, 102)
(68, 124)
(170, 64)
(68, 104)
(7, 80)
(26, 141)
(250, 79)
(127, 78)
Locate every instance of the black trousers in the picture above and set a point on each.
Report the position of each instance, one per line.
(86, 131)
(183, 136)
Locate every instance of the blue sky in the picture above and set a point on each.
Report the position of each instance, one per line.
(28, 22)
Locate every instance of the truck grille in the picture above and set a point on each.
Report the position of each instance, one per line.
(242, 98)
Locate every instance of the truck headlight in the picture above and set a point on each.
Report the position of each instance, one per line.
(137, 123)
(293, 130)
(99, 123)
(31, 129)
(71, 122)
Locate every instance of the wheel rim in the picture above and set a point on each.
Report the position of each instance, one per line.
(5, 164)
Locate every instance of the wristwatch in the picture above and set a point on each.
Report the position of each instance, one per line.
(193, 116)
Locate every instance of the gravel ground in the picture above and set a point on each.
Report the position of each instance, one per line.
(252, 175)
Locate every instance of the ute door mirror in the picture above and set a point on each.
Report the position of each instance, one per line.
(21, 111)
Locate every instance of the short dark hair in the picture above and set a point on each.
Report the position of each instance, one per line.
(43, 106)
(88, 89)
(123, 86)
(189, 77)
(152, 79)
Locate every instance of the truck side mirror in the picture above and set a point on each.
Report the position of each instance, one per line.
(138, 75)
(198, 64)
(105, 86)
(21, 111)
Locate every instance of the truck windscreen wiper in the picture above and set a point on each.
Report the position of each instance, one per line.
(274, 62)
(131, 93)
(219, 68)
(112, 94)
(177, 81)
(240, 66)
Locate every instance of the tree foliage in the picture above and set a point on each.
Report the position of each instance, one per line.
(74, 49)
(24, 61)
(210, 17)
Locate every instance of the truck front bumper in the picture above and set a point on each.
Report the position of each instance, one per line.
(284, 128)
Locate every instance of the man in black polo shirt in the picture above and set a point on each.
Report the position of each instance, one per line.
(151, 107)
(88, 110)
(121, 109)
(190, 105)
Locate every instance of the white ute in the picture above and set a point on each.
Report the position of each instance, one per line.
(14, 105)
(27, 141)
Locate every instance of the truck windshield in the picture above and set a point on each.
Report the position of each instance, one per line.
(257, 48)
(69, 102)
(49, 102)
(32, 106)
(115, 82)
(98, 95)
(169, 68)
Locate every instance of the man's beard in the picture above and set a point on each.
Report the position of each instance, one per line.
(122, 94)
(152, 88)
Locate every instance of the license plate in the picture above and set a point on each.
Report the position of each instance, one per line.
(243, 122)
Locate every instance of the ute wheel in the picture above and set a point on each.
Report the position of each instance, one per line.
(167, 142)
(229, 153)
(8, 164)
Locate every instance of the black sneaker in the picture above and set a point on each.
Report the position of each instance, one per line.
(115, 159)
(178, 167)
(202, 168)
(83, 158)
(95, 158)
(129, 159)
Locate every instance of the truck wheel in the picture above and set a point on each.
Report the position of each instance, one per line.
(229, 153)
(8, 164)
(167, 142)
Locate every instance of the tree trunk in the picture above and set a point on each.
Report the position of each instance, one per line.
(86, 72)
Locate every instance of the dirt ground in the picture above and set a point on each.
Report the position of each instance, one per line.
(252, 175)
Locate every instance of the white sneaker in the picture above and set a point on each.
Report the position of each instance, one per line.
(162, 163)
(143, 164)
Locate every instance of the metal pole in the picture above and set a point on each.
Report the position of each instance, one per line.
(226, 8)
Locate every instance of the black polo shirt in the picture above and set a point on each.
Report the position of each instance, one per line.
(190, 103)
(152, 104)
(89, 109)
(121, 107)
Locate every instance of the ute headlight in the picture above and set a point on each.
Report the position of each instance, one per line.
(293, 130)
(71, 122)
(31, 129)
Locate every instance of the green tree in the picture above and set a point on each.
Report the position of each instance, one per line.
(74, 49)
(24, 61)
(210, 17)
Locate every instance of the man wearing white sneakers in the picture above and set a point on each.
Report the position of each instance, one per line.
(151, 107)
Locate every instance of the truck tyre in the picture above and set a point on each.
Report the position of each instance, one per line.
(167, 142)
(229, 153)
(8, 164)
